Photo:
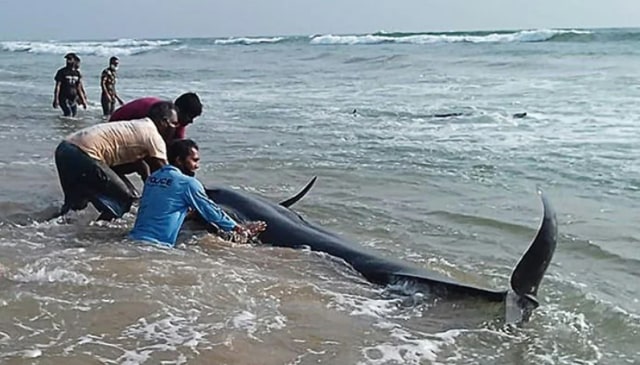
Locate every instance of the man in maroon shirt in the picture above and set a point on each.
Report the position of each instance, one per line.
(188, 105)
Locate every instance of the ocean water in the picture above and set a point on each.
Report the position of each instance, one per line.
(456, 194)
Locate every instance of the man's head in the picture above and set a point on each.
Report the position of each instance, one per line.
(114, 62)
(189, 108)
(71, 59)
(184, 154)
(165, 117)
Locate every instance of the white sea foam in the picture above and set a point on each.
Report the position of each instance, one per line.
(170, 332)
(247, 41)
(45, 274)
(568, 324)
(246, 321)
(4, 338)
(537, 35)
(108, 48)
(135, 357)
(410, 349)
(362, 306)
(32, 354)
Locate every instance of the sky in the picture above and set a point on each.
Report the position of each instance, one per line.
(102, 19)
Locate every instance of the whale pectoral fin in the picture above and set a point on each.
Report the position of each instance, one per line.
(294, 199)
(529, 271)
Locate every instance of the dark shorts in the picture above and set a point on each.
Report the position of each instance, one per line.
(68, 106)
(86, 180)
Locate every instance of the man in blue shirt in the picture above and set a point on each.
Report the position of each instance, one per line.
(171, 191)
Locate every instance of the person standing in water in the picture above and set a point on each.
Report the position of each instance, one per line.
(109, 95)
(68, 89)
(82, 97)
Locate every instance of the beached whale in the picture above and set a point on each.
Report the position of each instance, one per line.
(286, 228)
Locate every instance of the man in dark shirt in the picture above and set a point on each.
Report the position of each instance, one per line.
(68, 89)
(108, 86)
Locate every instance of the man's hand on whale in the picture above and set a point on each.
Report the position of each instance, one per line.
(250, 229)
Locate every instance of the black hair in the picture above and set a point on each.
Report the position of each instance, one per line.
(189, 104)
(161, 111)
(113, 59)
(180, 149)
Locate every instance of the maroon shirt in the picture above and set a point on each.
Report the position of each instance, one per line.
(138, 109)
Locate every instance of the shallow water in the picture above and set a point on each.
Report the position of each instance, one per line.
(454, 194)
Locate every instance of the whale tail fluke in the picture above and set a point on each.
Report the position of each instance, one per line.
(528, 273)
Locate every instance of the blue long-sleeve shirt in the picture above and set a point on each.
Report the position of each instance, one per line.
(166, 198)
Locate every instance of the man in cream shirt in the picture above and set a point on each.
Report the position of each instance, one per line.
(86, 160)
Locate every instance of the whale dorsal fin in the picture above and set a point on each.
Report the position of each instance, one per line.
(294, 199)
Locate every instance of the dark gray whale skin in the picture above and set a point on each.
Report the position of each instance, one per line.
(286, 228)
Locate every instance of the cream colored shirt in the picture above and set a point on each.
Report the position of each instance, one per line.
(117, 143)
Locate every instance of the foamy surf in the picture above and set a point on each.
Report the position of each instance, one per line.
(523, 36)
(124, 47)
(409, 348)
(43, 272)
(138, 46)
(247, 41)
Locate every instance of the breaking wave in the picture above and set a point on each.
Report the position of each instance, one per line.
(539, 35)
(134, 46)
(248, 41)
(124, 47)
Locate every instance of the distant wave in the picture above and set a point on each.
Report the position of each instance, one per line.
(539, 35)
(133, 46)
(522, 36)
(247, 41)
(418, 38)
(124, 47)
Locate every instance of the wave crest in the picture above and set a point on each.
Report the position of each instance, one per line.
(538, 35)
(124, 47)
(134, 46)
(247, 41)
